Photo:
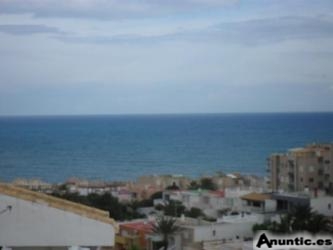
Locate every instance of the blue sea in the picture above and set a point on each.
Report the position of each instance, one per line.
(123, 147)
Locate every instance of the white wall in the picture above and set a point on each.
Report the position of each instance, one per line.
(36, 224)
(321, 205)
(270, 205)
(225, 231)
(242, 218)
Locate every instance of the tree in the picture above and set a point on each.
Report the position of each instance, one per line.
(173, 187)
(193, 185)
(300, 218)
(207, 183)
(194, 212)
(157, 195)
(106, 201)
(134, 247)
(318, 223)
(174, 208)
(165, 227)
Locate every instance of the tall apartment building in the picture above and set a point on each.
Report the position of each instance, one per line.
(300, 169)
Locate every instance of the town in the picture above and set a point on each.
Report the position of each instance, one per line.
(172, 212)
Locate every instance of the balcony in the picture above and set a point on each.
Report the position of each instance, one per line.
(291, 163)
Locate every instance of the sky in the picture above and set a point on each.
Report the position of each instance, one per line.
(156, 56)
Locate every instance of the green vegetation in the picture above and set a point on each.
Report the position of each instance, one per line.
(165, 227)
(194, 185)
(194, 212)
(106, 201)
(148, 202)
(174, 208)
(134, 247)
(300, 218)
(205, 183)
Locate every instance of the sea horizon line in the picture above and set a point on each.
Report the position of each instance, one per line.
(164, 114)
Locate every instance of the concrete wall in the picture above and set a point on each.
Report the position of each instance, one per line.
(323, 205)
(37, 224)
(270, 206)
(227, 231)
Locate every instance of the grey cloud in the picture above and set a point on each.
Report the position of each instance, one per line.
(108, 9)
(273, 30)
(118, 39)
(22, 29)
(251, 32)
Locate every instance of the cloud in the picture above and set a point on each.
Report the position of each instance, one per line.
(270, 30)
(107, 9)
(22, 29)
(248, 32)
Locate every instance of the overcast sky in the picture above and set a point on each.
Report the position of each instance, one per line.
(158, 56)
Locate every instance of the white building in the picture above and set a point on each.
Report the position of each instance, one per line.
(323, 205)
(259, 203)
(32, 220)
(210, 202)
(204, 235)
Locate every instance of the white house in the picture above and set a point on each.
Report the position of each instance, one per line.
(259, 202)
(208, 201)
(204, 235)
(323, 205)
(32, 220)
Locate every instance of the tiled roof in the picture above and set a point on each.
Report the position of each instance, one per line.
(256, 197)
(68, 206)
(219, 193)
(142, 226)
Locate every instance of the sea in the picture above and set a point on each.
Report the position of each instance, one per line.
(124, 147)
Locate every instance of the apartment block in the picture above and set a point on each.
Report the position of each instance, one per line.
(302, 169)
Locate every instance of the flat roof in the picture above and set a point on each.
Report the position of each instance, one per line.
(256, 197)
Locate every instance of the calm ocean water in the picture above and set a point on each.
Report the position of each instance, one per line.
(124, 147)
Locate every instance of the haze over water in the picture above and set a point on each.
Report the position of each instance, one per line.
(124, 147)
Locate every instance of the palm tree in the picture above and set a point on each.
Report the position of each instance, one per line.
(165, 226)
(300, 218)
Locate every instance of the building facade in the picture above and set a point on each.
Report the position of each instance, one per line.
(35, 221)
(302, 169)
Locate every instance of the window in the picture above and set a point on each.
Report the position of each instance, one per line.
(214, 232)
(311, 180)
(329, 206)
(256, 204)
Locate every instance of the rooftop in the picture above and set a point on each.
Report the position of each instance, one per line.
(256, 197)
(68, 206)
(142, 226)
